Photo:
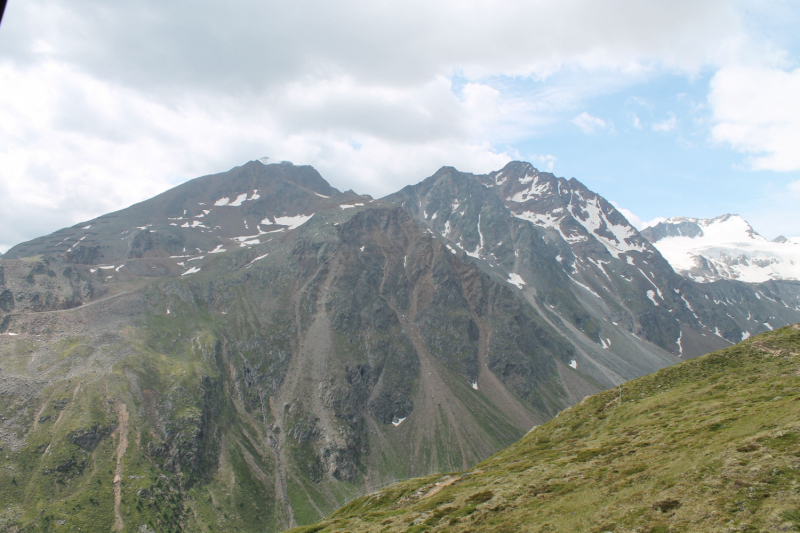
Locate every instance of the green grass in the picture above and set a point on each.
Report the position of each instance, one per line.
(711, 445)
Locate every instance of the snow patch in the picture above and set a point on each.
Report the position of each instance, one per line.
(535, 190)
(239, 199)
(192, 270)
(768, 326)
(475, 385)
(516, 280)
(584, 286)
(745, 335)
(222, 201)
(293, 222)
(652, 296)
(653, 284)
(256, 259)
(574, 364)
(396, 422)
(217, 250)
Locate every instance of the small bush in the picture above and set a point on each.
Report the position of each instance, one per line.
(666, 505)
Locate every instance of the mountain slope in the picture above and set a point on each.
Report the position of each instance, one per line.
(159, 372)
(579, 261)
(278, 377)
(725, 247)
(204, 215)
(708, 445)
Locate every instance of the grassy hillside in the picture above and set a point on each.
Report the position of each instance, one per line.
(710, 445)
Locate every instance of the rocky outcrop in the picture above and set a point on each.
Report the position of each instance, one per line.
(89, 438)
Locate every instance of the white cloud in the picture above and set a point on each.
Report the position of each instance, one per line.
(104, 105)
(589, 124)
(543, 162)
(263, 43)
(636, 122)
(76, 146)
(651, 223)
(756, 110)
(635, 221)
(668, 124)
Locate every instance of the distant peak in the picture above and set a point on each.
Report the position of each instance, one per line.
(519, 166)
(263, 160)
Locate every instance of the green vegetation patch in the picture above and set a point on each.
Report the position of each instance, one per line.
(711, 444)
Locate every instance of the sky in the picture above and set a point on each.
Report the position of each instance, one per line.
(666, 108)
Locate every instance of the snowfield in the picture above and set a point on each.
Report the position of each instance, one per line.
(729, 248)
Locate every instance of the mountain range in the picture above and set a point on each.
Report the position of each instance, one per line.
(251, 348)
(725, 247)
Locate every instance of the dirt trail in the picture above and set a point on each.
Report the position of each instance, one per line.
(439, 485)
(82, 306)
(122, 418)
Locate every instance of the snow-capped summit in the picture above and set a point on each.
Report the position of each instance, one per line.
(724, 247)
(578, 214)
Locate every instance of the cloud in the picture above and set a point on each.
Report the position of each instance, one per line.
(635, 221)
(589, 124)
(543, 162)
(163, 45)
(757, 112)
(76, 146)
(668, 124)
(650, 223)
(103, 105)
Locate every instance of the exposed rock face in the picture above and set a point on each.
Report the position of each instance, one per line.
(298, 342)
(87, 439)
(575, 248)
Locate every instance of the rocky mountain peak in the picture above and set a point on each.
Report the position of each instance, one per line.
(723, 247)
(581, 216)
(206, 215)
(724, 228)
